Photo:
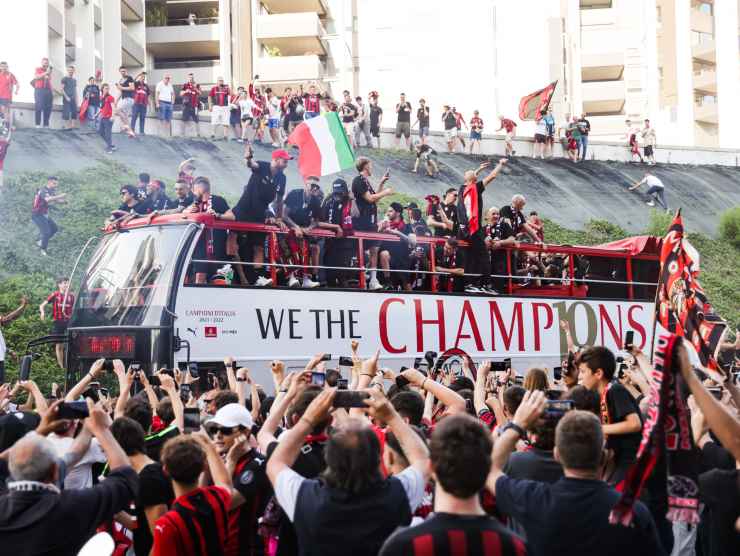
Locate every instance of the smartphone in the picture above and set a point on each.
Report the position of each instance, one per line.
(716, 391)
(350, 398)
(25, 370)
(557, 373)
(555, 409)
(499, 366)
(346, 361)
(402, 381)
(317, 378)
(507, 362)
(192, 419)
(326, 357)
(108, 365)
(629, 339)
(193, 369)
(431, 357)
(518, 380)
(154, 380)
(135, 366)
(185, 392)
(342, 384)
(72, 410)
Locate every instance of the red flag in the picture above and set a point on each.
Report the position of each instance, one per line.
(532, 106)
(83, 109)
(682, 306)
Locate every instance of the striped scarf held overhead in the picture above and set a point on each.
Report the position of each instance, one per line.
(667, 430)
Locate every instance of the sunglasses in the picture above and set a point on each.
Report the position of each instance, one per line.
(225, 431)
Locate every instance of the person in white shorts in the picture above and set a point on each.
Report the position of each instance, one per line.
(218, 103)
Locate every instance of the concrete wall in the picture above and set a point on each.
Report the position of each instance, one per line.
(491, 144)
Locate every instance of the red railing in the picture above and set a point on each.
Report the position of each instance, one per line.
(570, 290)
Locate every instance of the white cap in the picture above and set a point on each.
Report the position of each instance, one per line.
(233, 415)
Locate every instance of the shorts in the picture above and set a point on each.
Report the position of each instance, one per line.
(403, 128)
(165, 111)
(539, 138)
(125, 107)
(69, 109)
(59, 327)
(273, 123)
(450, 134)
(349, 127)
(220, 115)
(648, 150)
(189, 113)
(475, 136)
(509, 136)
(424, 131)
(235, 116)
(375, 130)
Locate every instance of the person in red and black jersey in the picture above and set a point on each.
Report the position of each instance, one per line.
(312, 102)
(197, 524)
(459, 525)
(190, 94)
(107, 102)
(394, 254)
(141, 102)
(231, 429)
(40, 211)
(43, 93)
(499, 236)
(449, 260)
(218, 104)
(62, 301)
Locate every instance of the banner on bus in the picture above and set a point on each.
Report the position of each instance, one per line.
(251, 324)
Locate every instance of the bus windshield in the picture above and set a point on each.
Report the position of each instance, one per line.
(129, 278)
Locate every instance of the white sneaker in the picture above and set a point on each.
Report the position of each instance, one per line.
(308, 283)
(262, 281)
(276, 144)
(293, 282)
(374, 285)
(473, 289)
(650, 204)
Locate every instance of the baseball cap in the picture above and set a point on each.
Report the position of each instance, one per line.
(411, 206)
(398, 207)
(339, 186)
(233, 415)
(280, 153)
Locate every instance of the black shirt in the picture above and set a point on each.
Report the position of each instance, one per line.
(348, 112)
(154, 489)
(375, 113)
(126, 82)
(513, 218)
(92, 93)
(302, 210)
(69, 85)
(368, 219)
(451, 213)
(571, 517)
(155, 442)
(261, 190)
(140, 207)
(332, 211)
(161, 202)
(621, 403)
(404, 115)
(181, 203)
(422, 114)
(461, 205)
(425, 149)
(535, 465)
(500, 231)
(449, 120)
(719, 490)
(251, 481)
(446, 534)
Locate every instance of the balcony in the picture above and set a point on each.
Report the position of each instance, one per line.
(56, 22)
(702, 22)
(705, 51)
(705, 81)
(295, 34)
(133, 54)
(132, 10)
(706, 113)
(320, 7)
(282, 69)
(602, 67)
(183, 41)
(603, 97)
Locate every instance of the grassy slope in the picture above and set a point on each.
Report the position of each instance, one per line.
(94, 192)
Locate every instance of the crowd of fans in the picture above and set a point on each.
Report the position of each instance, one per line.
(360, 459)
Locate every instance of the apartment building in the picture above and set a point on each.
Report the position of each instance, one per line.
(92, 35)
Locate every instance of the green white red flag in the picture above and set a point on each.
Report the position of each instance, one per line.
(323, 144)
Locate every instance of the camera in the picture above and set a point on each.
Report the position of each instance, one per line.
(345, 361)
(318, 379)
(621, 367)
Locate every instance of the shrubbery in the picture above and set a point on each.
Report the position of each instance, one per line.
(729, 226)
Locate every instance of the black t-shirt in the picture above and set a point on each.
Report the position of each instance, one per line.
(719, 490)
(302, 210)
(375, 113)
(453, 534)
(535, 465)
(449, 120)
(348, 112)
(368, 219)
(181, 203)
(422, 114)
(160, 203)
(500, 231)
(404, 115)
(251, 481)
(621, 403)
(92, 92)
(425, 149)
(451, 213)
(141, 208)
(126, 82)
(154, 489)
(154, 442)
(513, 218)
(69, 85)
(333, 211)
(261, 190)
(571, 517)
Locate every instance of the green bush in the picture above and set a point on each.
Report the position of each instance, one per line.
(729, 226)
(659, 223)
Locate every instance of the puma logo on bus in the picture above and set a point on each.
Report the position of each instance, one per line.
(210, 331)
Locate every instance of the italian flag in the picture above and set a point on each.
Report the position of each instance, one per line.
(324, 148)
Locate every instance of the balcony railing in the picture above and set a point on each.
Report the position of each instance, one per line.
(183, 21)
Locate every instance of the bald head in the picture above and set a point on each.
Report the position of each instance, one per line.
(518, 201)
(33, 458)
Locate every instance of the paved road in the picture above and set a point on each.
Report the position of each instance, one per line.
(571, 194)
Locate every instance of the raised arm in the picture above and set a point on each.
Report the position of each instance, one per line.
(99, 425)
(96, 371)
(168, 385)
(455, 402)
(479, 393)
(5, 319)
(494, 173)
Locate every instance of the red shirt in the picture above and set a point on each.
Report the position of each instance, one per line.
(476, 123)
(7, 82)
(141, 93)
(193, 90)
(106, 111)
(220, 95)
(40, 205)
(171, 532)
(508, 125)
(61, 306)
(312, 103)
(43, 83)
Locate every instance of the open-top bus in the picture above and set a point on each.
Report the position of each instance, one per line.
(137, 301)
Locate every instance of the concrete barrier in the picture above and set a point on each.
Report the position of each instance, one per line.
(490, 145)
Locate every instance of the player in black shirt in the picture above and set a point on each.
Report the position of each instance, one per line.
(449, 260)
(301, 211)
(212, 244)
(336, 215)
(498, 236)
(459, 525)
(131, 206)
(514, 216)
(376, 117)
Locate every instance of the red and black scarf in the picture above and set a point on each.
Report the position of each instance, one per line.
(667, 430)
(470, 202)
